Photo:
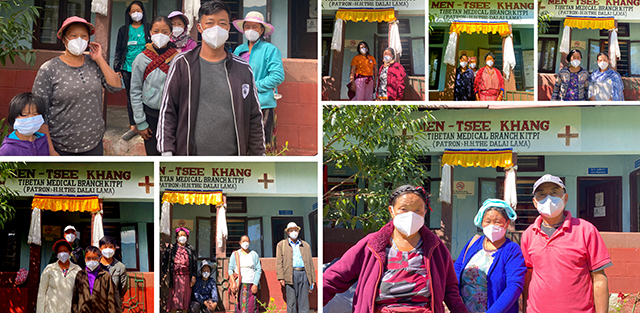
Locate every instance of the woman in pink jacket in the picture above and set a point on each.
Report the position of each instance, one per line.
(391, 78)
(403, 267)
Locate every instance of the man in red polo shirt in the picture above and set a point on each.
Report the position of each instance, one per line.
(565, 256)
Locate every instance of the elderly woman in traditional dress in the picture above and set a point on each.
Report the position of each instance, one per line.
(489, 84)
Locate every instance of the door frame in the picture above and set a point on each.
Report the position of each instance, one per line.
(617, 179)
(633, 201)
(259, 218)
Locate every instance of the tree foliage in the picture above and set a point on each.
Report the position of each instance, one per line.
(15, 31)
(381, 144)
(544, 17)
(7, 212)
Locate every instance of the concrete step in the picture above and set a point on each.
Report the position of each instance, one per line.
(117, 125)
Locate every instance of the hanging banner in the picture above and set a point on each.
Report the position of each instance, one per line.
(620, 9)
(399, 5)
(107, 180)
(515, 12)
(231, 178)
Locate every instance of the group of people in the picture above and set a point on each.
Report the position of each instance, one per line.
(195, 289)
(367, 82)
(473, 84)
(183, 98)
(404, 267)
(82, 280)
(574, 83)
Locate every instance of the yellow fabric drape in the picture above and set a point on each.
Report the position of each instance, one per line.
(367, 15)
(193, 197)
(66, 203)
(478, 158)
(501, 28)
(590, 22)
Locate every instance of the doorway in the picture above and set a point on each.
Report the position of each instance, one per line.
(303, 30)
(278, 224)
(600, 202)
(634, 184)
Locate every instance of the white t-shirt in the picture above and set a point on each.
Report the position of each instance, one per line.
(246, 268)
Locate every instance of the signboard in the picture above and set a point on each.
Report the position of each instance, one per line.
(513, 11)
(232, 178)
(620, 9)
(579, 44)
(521, 129)
(598, 171)
(285, 212)
(527, 61)
(351, 44)
(399, 5)
(107, 180)
(600, 211)
(51, 233)
(636, 164)
(188, 224)
(462, 189)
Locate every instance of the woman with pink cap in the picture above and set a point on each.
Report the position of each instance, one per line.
(266, 61)
(180, 34)
(71, 86)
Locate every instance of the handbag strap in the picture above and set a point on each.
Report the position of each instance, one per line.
(238, 267)
(473, 240)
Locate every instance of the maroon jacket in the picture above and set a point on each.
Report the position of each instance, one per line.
(366, 262)
(181, 97)
(395, 81)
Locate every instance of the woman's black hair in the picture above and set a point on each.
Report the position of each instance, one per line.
(213, 7)
(572, 52)
(20, 101)
(365, 44)
(500, 210)
(92, 249)
(463, 55)
(489, 54)
(162, 18)
(107, 240)
(64, 31)
(127, 14)
(405, 189)
(602, 53)
(184, 19)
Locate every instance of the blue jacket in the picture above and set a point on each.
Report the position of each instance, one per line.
(505, 278)
(266, 63)
(205, 290)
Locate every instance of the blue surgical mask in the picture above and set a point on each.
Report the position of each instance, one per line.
(28, 125)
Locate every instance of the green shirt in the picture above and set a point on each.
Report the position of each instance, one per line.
(135, 45)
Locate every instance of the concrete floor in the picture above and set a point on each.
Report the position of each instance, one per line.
(117, 125)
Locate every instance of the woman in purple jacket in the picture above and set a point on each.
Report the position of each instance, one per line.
(491, 268)
(25, 114)
(403, 267)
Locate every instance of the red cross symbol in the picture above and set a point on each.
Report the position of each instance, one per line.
(567, 135)
(147, 185)
(266, 181)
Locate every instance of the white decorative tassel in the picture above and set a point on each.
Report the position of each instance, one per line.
(98, 230)
(336, 41)
(445, 184)
(221, 230)
(165, 223)
(450, 53)
(565, 44)
(510, 190)
(35, 229)
(100, 7)
(614, 48)
(509, 61)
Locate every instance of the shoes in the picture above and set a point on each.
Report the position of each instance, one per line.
(129, 135)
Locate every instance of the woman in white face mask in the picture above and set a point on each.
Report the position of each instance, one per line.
(179, 268)
(266, 61)
(148, 74)
(363, 74)
(71, 86)
(606, 83)
(402, 267)
(489, 84)
(57, 280)
(244, 276)
(463, 88)
(25, 114)
(572, 83)
(390, 78)
(491, 261)
(180, 32)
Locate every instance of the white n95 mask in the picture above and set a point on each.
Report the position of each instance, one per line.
(550, 207)
(494, 232)
(408, 223)
(215, 36)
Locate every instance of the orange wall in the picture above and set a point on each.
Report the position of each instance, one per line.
(270, 286)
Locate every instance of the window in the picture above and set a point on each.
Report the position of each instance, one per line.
(623, 30)
(435, 55)
(527, 163)
(10, 246)
(234, 205)
(206, 237)
(411, 58)
(634, 58)
(52, 14)
(404, 27)
(547, 52)
(622, 65)
(129, 246)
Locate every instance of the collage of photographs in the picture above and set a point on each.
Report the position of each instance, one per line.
(448, 144)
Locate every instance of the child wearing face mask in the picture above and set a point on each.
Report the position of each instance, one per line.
(25, 114)
(116, 269)
(205, 292)
(94, 290)
(57, 280)
(179, 271)
(490, 268)
(148, 74)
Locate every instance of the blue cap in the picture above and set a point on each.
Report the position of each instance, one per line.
(494, 203)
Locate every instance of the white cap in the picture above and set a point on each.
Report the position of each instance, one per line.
(292, 225)
(70, 227)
